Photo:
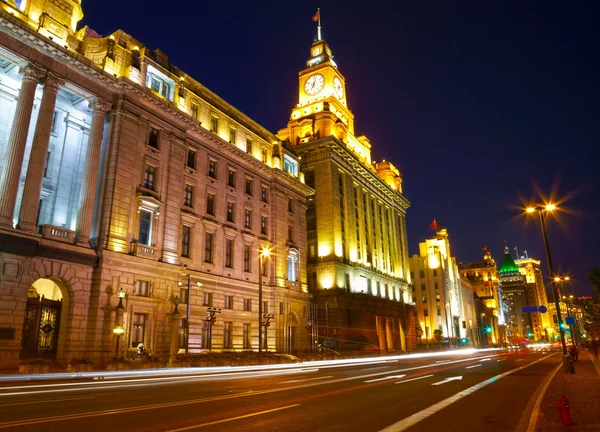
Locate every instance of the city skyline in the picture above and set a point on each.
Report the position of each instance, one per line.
(429, 64)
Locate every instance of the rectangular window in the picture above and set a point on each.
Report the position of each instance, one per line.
(149, 177)
(422, 274)
(290, 165)
(246, 258)
(439, 312)
(378, 288)
(210, 204)
(194, 111)
(263, 194)
(207, 299)
(248, 305)
(424, 299)
(139, 329)
(246, 342)
(249, 146)
(153, 137)
(214, 124)
(228, 303)
(263, 225)
(227, 334)
(191, 159)
(265, 307)
(290, 205)
(290, 234)
(232, 135)
(158, 81)
(141, 288)
(369, 287)
(264, 155)
(229, 253)
(231, 178)
(292, 267)
(281, 308)
(249, 186)
(208, 248)
(212, 168)
(188, 196)
(144, 235)
(230, 212)
(434, 272)
(54, 123)
(436, 286)
(186, 235)
(47, 164)
(248, 219)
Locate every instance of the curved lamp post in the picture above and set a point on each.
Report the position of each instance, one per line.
(263, 253)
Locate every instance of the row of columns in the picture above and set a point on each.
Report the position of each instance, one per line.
(15, 153)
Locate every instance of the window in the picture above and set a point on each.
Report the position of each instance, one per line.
(265, 307)
(194, 111)
(230, 211)
(153, 137)
(208, 248)
(281, 308)
(232, 135)
(139, 329)
(378, 288)
(369, 287)
(248, 219)
(246, 336)
(186, 235)
(290, 205)
(263, 194)
(214, 124)
(249, 186)
(439, 312)
(436, 286)
(210, 204)
(248, 305)
(424, 299)
(191, 159)
(347, 281)
(263, 225)
(290, 234)
(246, 258)
(149, 177)
(249, 146)
(422, 274)
(264, 155)
(231, 178)
(228, 303)
(412, 275)
(264, 268)
(141, 288)
(212, 168)
(292, 267)
(207, 299)
(144, 235)
(227, 334)
(47, 164)
(188, 196)
(160, 83)
(423, 287)
(290, 165)
(434, 272)
(229, 253)
(386, 292)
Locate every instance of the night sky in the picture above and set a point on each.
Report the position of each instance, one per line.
(481, 105)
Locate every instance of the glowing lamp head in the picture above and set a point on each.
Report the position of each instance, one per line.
(265, 252)
(176, 300)
(530, 209)
(118, 330)
(567, 278)
(121, 293)
(556, 279)
(550, 207)
(198, 284)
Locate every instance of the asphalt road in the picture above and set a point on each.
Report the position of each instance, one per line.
(487, 391)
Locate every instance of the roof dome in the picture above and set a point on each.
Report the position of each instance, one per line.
(508, 268)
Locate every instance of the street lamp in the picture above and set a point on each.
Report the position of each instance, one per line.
(188, 311)
(541, 210)
(121, 295)
(264, 253)
(118, 332)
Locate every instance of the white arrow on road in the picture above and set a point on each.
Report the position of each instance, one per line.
(447, 380)
(384, 378)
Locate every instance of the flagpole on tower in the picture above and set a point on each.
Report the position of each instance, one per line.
(319, 24)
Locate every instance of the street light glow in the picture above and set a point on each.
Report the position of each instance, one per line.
(265, 252)
(530, 209)
(550, 207)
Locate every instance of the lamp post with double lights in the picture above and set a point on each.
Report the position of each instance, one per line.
(262, 255)
(210, 320)
(118, 329)
(542, 210)
(188, 311)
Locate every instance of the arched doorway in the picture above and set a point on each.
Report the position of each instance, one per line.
(42, 320)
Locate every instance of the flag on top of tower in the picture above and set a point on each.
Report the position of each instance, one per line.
(433, 225)
(315, 17)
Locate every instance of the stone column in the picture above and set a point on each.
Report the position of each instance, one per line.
(39, 151)
(15, 151)
(389, 332)
(90, 172)
(174, 348)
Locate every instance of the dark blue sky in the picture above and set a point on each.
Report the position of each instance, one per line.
(478, 103)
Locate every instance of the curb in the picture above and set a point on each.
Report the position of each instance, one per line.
(541, 392)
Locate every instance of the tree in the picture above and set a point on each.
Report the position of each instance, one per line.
(594, 278)
(438, 334)
(419, 332)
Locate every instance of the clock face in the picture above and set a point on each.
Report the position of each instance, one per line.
(338, 87)
(314, 84)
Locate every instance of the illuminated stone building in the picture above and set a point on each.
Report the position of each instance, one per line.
(119, 171)
(536, 295)
(514, 290)
(442, 300)
(483, 276)
(358, 265)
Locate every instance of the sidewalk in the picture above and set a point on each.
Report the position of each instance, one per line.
(583, 391)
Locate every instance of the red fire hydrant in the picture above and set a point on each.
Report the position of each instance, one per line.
(565, 410)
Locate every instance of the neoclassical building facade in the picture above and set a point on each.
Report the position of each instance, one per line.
(119, 172)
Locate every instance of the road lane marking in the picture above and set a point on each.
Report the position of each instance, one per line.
(385, 378)
(46, 400)
(413, 379)
(308, 379)
(233, 418)
(538, 402)
(447, 380)
(474, 366)
(485, 359)
(501, 360)
(380, 367)
(412, 420)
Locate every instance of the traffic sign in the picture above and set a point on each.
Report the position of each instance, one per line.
(543, 309)
(529, 309)
(570, 320)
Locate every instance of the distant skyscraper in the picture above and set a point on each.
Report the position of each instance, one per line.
(514, 290)
(536, 295)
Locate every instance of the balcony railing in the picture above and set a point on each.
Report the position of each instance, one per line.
(58, 233)
(145, 251)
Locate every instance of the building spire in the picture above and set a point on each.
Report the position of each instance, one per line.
(317, 18)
